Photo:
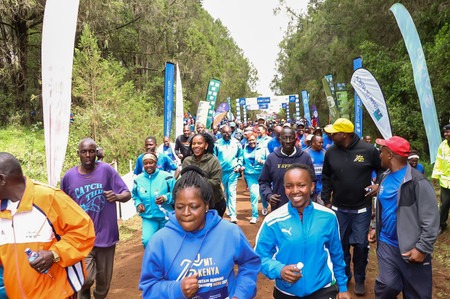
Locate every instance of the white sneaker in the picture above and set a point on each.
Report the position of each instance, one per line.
(253, 220)
(264, 211)
(233, 219)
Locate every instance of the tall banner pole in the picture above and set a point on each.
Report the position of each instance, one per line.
(58, 38)
(179, 109)
(305, 98)
(211, 97)
(333, 111)
(244, 110)
(168, 97)
(357, 63)
(297, 108)
(238, 111)
(421, 77)
(288, 117)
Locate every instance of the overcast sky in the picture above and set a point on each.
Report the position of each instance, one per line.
(256, 31)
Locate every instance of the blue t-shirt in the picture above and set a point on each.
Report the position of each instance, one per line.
(388, 197)
(317, 158)
(420, 168)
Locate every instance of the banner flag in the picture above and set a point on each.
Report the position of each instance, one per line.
(238, 111)
(179, 107)
(334, 113)
(357, 63)
(297, 108)
(211, 97)
(220, 113)
(305, 98)
(169, 78)
(342, 100)
(315, 118)
(369, 91)
(58, 39)
(230, 115)
(421, 77)
(202, 113)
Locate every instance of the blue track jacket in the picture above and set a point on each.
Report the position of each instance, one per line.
(229, 154)
(284, 239)
(147, 187)
(211, 252)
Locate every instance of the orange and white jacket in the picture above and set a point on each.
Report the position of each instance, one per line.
(46, 219)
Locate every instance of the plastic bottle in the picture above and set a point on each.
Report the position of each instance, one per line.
(32, 255)
(299, 266)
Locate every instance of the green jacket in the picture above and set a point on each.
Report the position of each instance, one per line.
(441, 168)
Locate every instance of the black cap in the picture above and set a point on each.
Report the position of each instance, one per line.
(447, 127)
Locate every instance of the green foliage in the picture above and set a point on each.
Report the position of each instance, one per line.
(27, 145)
(333, 32)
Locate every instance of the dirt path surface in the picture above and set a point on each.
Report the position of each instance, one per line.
(129, 253)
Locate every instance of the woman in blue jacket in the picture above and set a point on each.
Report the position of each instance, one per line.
(253, 159)
(152, 195)
(194, 255)
(302, 231)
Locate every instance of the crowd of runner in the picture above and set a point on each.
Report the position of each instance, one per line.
(325, 194)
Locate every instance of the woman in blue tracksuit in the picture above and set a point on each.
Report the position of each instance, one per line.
(152, 195)
(195, 254)
(253, 159)
(306, 232)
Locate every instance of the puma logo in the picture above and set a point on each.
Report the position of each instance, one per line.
(287, 231)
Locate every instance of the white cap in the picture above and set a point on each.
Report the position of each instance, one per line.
(299, 265)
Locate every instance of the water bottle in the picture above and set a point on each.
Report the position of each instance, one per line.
(299, 266)
(32, 255)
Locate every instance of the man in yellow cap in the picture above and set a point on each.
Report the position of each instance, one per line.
(346, 177)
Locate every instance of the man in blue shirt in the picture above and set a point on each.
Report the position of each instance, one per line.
(407, 225)
(229, 152)
(317, 156)
(164, 162)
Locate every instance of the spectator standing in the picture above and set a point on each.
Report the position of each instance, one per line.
(46, 220)
(306, 232)
(100, 154)
(441, 174)
(406, 225)
(229, 152)
(96, 187)
(263, 139)
(347, 172)
(271, 179)
(152, 195)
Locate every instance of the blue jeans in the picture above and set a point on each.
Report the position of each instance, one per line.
(354, 228)
(253, 186)
(229, 181)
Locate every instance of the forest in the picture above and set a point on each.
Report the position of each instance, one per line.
(121, 48)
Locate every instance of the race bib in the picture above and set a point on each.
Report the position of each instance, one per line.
(221, 293)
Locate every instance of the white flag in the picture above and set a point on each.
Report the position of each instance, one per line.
(58, 37)
(368, 89)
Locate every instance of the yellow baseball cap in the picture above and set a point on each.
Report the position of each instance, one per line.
(341, 125)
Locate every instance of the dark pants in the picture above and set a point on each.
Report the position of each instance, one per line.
(395, 275)
(445, 206)
(354, 228)
(99, 266)
(325, 293)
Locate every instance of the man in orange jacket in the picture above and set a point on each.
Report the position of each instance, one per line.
(47, 221)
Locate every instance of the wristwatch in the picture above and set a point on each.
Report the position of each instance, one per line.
(56, 257)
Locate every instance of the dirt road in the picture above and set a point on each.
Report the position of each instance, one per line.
(129, 257)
